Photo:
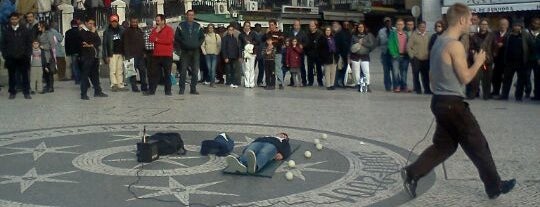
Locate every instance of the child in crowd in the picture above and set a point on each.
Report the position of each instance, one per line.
(269, 64)
(294, 60)
(284, 66)
(36, 71)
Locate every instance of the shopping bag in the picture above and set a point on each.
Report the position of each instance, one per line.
(349, 77)
(173, 79)
(129, 68)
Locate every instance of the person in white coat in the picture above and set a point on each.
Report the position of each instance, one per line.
(249, 64)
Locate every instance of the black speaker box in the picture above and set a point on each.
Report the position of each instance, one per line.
(147, 151)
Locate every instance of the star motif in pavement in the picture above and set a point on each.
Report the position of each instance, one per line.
(39, 150)
(306, 167)
(31, 177)
(163, 159)
(180, 191)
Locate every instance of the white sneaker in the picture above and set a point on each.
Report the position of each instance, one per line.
(251, 162)
(206, 83)
(234, 86)
(234, 165)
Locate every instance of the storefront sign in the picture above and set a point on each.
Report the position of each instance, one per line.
(494, 8)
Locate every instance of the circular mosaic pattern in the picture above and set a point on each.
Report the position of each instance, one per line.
(83, 163)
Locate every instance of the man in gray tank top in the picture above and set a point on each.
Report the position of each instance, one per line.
(456, 125)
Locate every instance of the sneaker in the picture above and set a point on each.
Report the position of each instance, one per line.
(168, 93)
(233, 86)
(27, 96)
(86, 98)
(251, 162)
(408, 183)
(506, 186)
(114, 88)
(101, 94)
(206, 83)
(234, 165)
(397, 90)
(123, 89)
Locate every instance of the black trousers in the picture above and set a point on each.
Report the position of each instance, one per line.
(270, 73)
(140, 64)
(90, 70)
(314, 63)
(509, 72)
(259, 61)
(191, 59)
(49, 76)
(498, 73)
(485, 77)
(232, 70)
(161, 68)
(420, 69)
(456, 125)
(18, 66)
(536, 70)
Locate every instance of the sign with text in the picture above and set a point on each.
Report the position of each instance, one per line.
(494, 8)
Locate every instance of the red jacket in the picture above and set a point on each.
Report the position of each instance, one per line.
(163, 41)
(294, 57)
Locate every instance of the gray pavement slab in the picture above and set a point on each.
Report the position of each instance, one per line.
(57, 150)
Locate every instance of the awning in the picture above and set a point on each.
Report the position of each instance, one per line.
(495, 8)
(343, 16)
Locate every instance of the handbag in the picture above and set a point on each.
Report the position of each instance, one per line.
(129, 68)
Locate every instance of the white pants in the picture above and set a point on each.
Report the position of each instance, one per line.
(116, 70)
(358, 66)
(249, 71)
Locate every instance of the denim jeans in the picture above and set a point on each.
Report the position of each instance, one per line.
(388, 70)
(279, 71)
(211, 61)
(400, 65)
(75, 69)
(264, 152)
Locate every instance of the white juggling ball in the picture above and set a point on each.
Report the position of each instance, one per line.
(291, 163)
(289, 175)
(316, 141)
(319, 146)
(324, 136)
(307, 154)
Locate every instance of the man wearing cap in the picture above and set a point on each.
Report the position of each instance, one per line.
(187, 41)
(517, 53)
(386, 58)
(112, 53)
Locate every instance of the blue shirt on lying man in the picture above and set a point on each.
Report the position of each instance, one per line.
(260, 152)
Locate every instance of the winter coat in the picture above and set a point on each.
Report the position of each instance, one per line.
(484, 42)
(188, 39)
(163, 41)
(343, 42)
(73, 40)
(325, 55)
(368, 44)
(527, 44)
(294, 57)
(230, 47)
(108, 39)
(16, 44)
(312, 46)
(393, 43)
(134, 43)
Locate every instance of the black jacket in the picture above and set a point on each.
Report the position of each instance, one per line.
(90, 38)
(230, 47)
(282, 146)
(312, 46)
(326, 57)
(343, 42)
(301, 36)
(108, 40)
(186, 39)
(73, 40)
(16, 44)
(134, 43)
(252, 36)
